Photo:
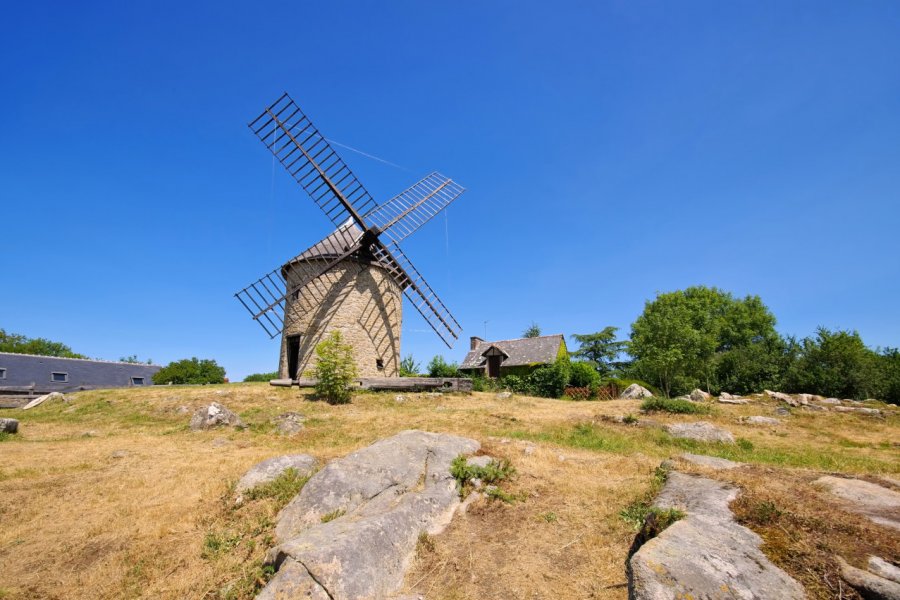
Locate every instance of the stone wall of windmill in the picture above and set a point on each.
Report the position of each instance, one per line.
(356, 298)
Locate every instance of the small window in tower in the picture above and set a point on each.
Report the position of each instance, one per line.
(59, 377)
(137, 381)
(379, 364)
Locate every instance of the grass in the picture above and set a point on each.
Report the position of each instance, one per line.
(674, 406)
(335, 514)
(281, 489)
(161, 522)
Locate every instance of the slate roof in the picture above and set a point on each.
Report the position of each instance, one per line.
(523, 351)
(332, 246)
(31, 370)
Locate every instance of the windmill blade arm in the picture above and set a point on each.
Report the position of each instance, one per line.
(417, 290)
(403, 214)
(312, 162)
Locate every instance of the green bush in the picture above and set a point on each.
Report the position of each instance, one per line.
(19, 344)
(438, 367)
(190, 371)
(261, 377)
(550, 381)
(483, 384)
(517, 384)
(583, 374)
(673, 405)
(335, 369)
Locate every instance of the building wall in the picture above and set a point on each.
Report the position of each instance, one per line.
(358, 299)
(26, 370)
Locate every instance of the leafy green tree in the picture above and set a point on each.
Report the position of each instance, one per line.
(133, 359)
(335, 369)
(550, 381)
(409, 367)
(681, 338)
(533, 331)
(20, 344)
(438, 367)
(837, 364)
(889, 372)
(190, 371)
(583, 374)
(261, 377)
(600, 350)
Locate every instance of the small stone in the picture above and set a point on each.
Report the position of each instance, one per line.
(700, 430)
(214, 415)
(782, 412)
(9, 425)
(504, 395)
(89, 434)
(635, 392)
(756, 420)
(118, 454)
(399, 398)
(289, 423)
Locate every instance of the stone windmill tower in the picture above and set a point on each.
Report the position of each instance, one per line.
(351, 281)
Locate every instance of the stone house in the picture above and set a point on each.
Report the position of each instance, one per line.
(512, 357)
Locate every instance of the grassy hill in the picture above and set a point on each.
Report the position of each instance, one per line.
(112, 496)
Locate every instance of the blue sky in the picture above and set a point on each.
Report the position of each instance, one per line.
(610, 150)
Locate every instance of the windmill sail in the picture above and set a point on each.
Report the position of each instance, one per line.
(418, 292)
(403, 214)
(312, 162)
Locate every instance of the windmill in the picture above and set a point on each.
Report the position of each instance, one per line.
(352, 280)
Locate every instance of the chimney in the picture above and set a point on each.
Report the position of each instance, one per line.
(474, 341)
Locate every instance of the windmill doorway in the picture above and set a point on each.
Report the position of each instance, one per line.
(293, 355)
(493, 366)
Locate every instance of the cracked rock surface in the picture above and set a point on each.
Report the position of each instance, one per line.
(706, 554)
(352, 530)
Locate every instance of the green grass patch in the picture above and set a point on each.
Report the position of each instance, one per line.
(281, 489)
(335, 514)
(674, 405)
(494, 472)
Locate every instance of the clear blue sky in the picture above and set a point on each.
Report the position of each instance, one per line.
(610, 150)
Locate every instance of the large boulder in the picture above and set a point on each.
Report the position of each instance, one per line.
(880, 504)
(635, 392)
(9, 425)
(699, 395)
(352, 531)
(214, 415)
(706, 554)
(271, 468)
(700, 430)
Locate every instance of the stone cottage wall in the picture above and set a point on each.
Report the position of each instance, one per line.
(358, 299)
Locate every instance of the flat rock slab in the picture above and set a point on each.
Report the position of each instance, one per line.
(214, 415)
(700, 430)
(9, 425)
(711, 462)
(706, 554)
(757, 420)
(880, 504)
(869, 585)
(51, 397)
(352, 530)
(271, 468)
(857, 409)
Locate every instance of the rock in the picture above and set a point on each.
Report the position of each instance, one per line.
(270, 469)
(805, 398)
(182, 410)
(479, 461)
(782, 412)
(635, 392)
(700, 430)
(118, 454)
(9, 425)
(51, 397)
(783, 397)
(399, 398)
(710, 461)
(504, 395)
(878, 503)
(529, 449)
(883, 568)
(815, 408)
(830, 401)
(732, 399)
(214, 415)
(705, 552)
(385, 496)
(89, 433)
(289, 423)
(857, 409)
(869, 585)
(756, 420)
(699, 395)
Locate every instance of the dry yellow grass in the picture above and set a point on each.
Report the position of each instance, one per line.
(79, 523)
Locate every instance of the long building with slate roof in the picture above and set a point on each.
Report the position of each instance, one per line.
(29, 373)
(503, 357)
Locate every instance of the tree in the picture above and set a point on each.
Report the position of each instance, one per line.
(889, 371)
(438, 367)
(20, 344)
(190, 371)
(335, 369)
(533, 331)
(682, 337)
(550, 381)
(837, 364)
(583, 374)
(133, 359)
(600, 350)
(261, 377)
(409, 367)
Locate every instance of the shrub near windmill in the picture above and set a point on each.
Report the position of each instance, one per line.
(352, 280)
